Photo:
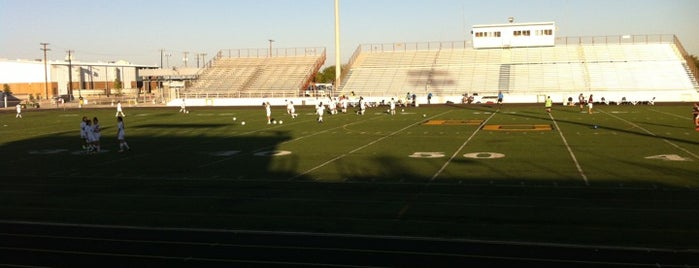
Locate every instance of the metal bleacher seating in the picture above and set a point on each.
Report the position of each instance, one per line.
(258, 76)
(450, 69)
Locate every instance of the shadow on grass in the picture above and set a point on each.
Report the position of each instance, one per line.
(230, 183)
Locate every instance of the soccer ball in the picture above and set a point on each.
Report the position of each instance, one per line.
(424, 115)
(235, 118)
(595, 126)
(274, 122)
(186, 112)
(402, 110)
(242, 123)
(281, 122)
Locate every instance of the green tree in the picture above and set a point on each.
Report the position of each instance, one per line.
(327, 75)
(6, 89)
(117, 85)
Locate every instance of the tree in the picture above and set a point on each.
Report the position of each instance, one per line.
(6, 89)
(327, 75)
(117, 85)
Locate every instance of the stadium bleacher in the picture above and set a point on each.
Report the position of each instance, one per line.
(258, 76)
(454, 69)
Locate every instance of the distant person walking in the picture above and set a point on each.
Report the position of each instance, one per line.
(589, 104)
(121, 135)
(120, 111)
(581, 101)
(19, 111)
(183, 107)
(392, 105)
(500, 98)
(549, 104)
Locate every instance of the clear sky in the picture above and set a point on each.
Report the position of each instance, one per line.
(136, 31)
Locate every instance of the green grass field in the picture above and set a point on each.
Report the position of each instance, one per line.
(632, 181)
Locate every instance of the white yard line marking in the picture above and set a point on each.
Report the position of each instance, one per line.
(671, 114)
(653, 134)
(439, 172)
(362, 147)
(570, 151)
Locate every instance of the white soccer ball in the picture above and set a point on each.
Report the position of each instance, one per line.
(242, 123)
(235, 118)
(186, 111)
(281, 122)
(424, 115)
(274, 122)
(402, 110)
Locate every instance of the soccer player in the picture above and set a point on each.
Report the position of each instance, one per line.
(290, 109)
(500, 97)
(19, 111)
(121, 135)
(392, 105)
(362, 106)
(549, 104)
(96, 135)
(183, 107)
(83, 132)
(589, 104)
(119, 111)
(268, 111)
(581, 101)
(320, 109)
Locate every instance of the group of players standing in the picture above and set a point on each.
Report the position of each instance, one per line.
(90, 133)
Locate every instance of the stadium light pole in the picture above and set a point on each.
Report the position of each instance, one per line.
(338, 62)
(270, 47)
(46, 75)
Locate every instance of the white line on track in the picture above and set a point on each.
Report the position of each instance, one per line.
(654, 135)
(362, 147)
(439, 172)
(570, 151)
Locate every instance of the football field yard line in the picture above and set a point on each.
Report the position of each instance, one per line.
(653, 134)
(453, 156)
(362, 147)
(570, 151)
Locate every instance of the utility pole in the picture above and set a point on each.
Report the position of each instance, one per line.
(162, 51)
(270, 47)
(46, 76)
(70, 73)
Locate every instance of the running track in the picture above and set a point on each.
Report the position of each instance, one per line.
(30, 244)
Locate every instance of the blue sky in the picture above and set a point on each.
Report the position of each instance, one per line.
(136, 31)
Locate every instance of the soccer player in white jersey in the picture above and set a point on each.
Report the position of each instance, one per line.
(268, 111)
(320, 110)
(290, 109)
(392, 104)
(121, 135)
(83, 132)
(19, 111)
(119, 111)
(362, 106)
